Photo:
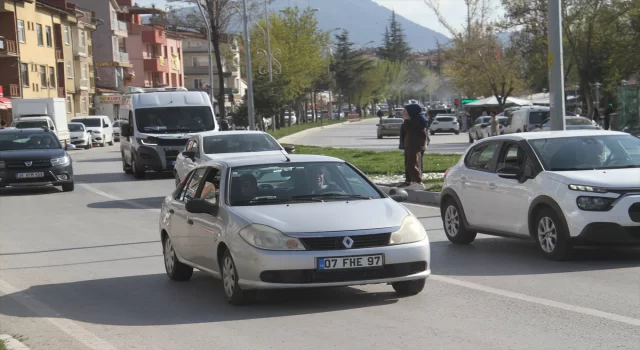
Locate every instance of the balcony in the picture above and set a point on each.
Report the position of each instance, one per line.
(199, 70)
(80, 51)
(155, 65)
(59, 55)
(120, 29)
(8, 48)
(82, 84)
(61, 92)
(154, 37)
(14, 90)
(122, 57)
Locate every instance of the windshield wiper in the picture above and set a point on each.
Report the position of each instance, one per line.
(274, 200)
(333, 195)
(622, 167)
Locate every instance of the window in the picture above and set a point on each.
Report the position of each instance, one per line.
(39, 34)
(84, 72)
(83, 104)
(52, 77)
(239, 143)
(69, 70)
(199, 61)
(43, 76)
(211, 189)
(48, 36)
(197, 84)
(536, 118)
(24, 74)
(21, 35)
(480, 157)
(516, 156)
(82, 42)
(69, 105)
(189, 191)
(67, 36)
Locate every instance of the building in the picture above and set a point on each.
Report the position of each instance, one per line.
(196, 66)
(80, 94)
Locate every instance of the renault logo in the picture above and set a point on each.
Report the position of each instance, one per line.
(348, 242)
(29, 163)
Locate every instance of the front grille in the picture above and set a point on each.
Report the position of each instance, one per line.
(634, 212)
(171, 142)
(348, 275)
(20, 164)
(335, 243)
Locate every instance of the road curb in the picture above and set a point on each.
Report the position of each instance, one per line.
(418, 197)
(11, 343)
(287, 139)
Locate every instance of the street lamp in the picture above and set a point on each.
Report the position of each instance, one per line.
(247, 48)
(623, 91)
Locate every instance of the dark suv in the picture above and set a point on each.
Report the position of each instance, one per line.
(34, 157)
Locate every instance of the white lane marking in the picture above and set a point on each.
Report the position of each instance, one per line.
(116, 198)
(539, 301)
(67, 326)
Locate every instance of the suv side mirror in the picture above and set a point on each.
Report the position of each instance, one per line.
(290, 149)
(189, 154)
(125, 130)
(52, 128)
(398, 195)
(201, 206)
(509, 172)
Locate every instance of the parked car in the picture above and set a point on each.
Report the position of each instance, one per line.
(526, 119)
(290, 115)
(80, 135)
(482, 128)
(207, 146)
(389, 127)
(116, 131)
(296, 221)
(34, 157)
(444, 123)
(571, 123)
(100, 126)
(560, 188)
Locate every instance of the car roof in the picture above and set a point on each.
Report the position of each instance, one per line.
(271, 159)
(553, 134)
(229, 132)
(26, 130)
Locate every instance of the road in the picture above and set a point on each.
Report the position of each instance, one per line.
(362, 135)
(84, 270)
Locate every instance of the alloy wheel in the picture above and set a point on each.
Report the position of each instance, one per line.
(452, 221)
(229, 278)
(547, 234)
(169, 255)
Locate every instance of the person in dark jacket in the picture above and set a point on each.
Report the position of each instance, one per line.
(414, 140)
(607, 116)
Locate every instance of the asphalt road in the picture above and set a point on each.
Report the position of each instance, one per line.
(362, 135)
(84, 270)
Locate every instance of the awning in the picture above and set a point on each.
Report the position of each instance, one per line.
(493, 102)
(5, 103)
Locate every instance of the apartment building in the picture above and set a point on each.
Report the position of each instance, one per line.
(80, 34)
(196, 65)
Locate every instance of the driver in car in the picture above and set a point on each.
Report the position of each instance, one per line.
(248, 188)
(591, 154)
(316, 181)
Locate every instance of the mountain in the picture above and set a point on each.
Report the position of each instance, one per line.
(364, 19)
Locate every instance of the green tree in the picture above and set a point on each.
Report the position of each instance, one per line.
(395, 46)
(349, 67)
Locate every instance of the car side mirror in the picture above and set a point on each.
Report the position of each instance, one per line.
(52, 128)
(105, 125)
(509, 172)
(189, 154)
(70, 146)
(88, 131)
(398, 195)
(290, 149)
(377, 124)
(125, 130)
(201, 206)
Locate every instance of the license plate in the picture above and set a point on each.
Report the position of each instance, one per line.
(350, 262)
(29, 175)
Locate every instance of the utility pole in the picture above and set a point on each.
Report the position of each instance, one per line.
(206, 22)
(556, 69)
(269, 60)
(247, 48)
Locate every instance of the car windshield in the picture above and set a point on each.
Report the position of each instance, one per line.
(25, 140)
(502, 121)
(297, 182)
(116, 124)
(89, 122)
(32, 124)
(174, 119)
(444, 119)
(76, 127)
(588, 152)
(235, 143)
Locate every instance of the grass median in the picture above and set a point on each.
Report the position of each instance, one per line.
(295, 128)
(382, 162)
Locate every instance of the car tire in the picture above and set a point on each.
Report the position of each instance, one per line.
(235, 295)
(125, 167)
(457, 132)
(409, 288)
(552, 235)
(138, 173)
(89, 145)
(111, 142)
(103, 144)
(470, 138)
(379, 136)
(432, 133)
(68, 187)
(454, 227)
(176, 271)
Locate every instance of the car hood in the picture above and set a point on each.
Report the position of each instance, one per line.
(609, 178)
(94, 128)
(32, 154)
(214, 156)
(78, 133)
(327, 216)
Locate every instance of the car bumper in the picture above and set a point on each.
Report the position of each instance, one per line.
(53, 176)
(620, 224)
(608, 233)
(444, 129)
(260, 269)
(83, 142)
(159, 158)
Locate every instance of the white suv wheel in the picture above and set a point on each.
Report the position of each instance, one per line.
(452, 221)
(547, 234)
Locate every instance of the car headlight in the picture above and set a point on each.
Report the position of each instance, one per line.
(584, 188)
(148, 142)
(3, 165)
(268, 238)
(410, 231)
(594, 203)
(61, 161)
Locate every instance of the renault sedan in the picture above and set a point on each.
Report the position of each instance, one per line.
(291, 221)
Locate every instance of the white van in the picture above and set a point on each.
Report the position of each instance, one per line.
(158, 123)
(526, 119)
(100, 126)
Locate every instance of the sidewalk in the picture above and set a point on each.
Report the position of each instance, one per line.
(10, 343)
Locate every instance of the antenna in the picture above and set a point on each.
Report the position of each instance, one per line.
(285, 155)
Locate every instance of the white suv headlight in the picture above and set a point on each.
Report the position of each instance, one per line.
(61, 161)
(410, 231)
(268, 238)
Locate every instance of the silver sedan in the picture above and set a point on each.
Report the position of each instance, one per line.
(291, 221)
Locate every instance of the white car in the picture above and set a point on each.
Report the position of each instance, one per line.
(444, 123)
(207, 146)
(80, 135)
(561, 188)
(116, 130)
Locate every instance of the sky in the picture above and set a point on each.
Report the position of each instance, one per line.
(414, 10)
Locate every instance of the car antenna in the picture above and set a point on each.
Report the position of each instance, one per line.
(285, 155)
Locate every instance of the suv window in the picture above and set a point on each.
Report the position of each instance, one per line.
(515, 155)
(480, 157)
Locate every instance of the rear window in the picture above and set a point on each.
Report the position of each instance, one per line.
(392, 121)
(90, 122)
(444, 119)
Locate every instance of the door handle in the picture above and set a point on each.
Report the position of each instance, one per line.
(171, 211)
(492, 185)
(189, 221)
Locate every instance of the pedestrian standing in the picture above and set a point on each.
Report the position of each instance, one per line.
(403, 134)
(596, 115)
(380, 115)
(495, 125)
(415, 140)
(607, 116)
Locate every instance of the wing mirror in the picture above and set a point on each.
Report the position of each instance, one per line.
(52, 128)
(189, 154)
(509, 172)
(201, 206)
(398, 195)
(125, 130)
(290, 149)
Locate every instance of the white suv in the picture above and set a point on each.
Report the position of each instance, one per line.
(561, 188)
(444, 123)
